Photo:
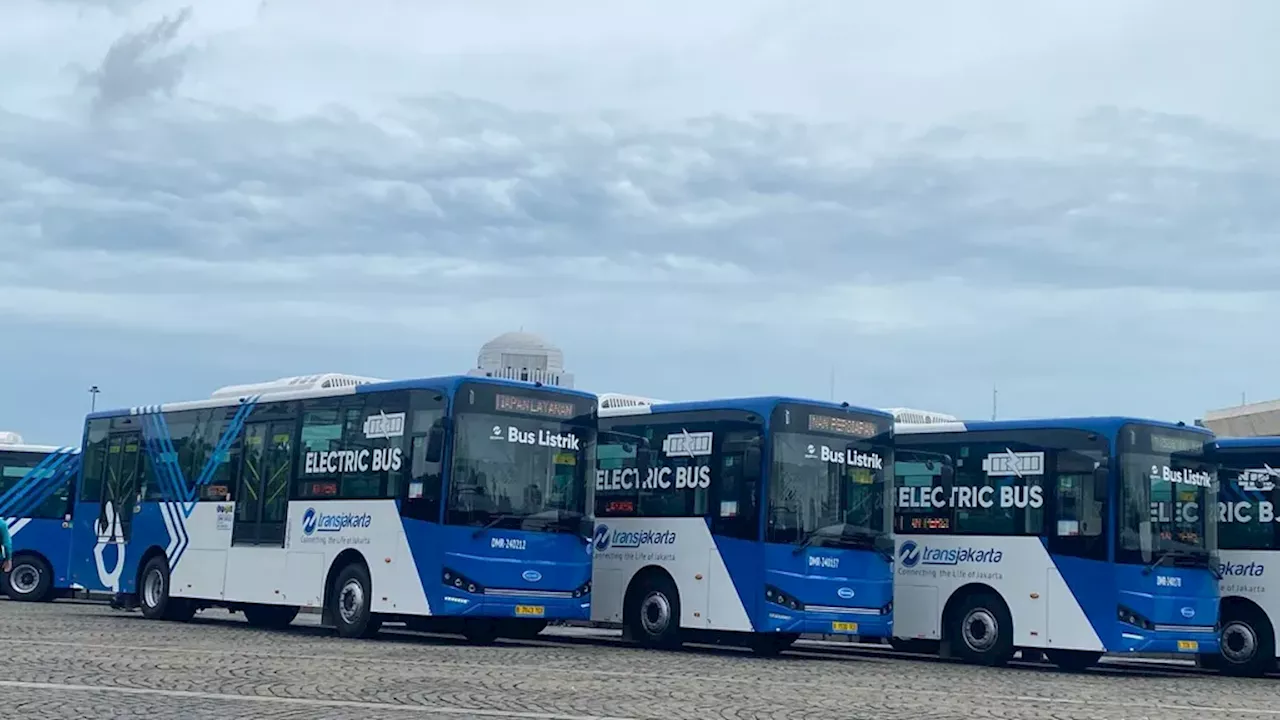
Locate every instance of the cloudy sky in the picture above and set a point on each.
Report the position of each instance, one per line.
(1073, 201)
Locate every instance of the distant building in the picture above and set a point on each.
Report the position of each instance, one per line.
(522, 356)
(1252, 420)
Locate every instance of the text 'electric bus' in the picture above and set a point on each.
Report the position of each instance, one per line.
(749, 520)
(35, 502)
(1077, 537)
(451, 503)
(1249, 472)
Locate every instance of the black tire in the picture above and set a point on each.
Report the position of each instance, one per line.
(1073, 660)
(981, 630)
(915, 647)
(654, 615)
(271, 617)
(1248, 644)
(521, 629)
(480, 631)
(153, 594)
(352, 601)
(31, 579)
(771, 644)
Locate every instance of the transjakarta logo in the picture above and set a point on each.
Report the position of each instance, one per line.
(1253, 569)
(851, 457)
(1258, 479)
(541, 438)
(626, 539)
(911, 555)
(313, 522)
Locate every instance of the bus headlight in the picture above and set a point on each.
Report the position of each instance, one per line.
(1129, 617)
(458, 581)
(583, 590)
(777, 597)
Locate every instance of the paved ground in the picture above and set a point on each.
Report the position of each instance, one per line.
(78, 660)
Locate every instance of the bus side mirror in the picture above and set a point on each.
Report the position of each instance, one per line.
(751, 463)
(1100, 474)
(1144, 540)
(947, 474)
(435, 444)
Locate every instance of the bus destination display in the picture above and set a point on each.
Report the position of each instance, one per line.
(533, 406)
(842, 426)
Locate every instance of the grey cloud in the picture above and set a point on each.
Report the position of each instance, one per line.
(792, 202)
(140, 64)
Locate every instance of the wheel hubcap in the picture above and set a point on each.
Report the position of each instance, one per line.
(351, 601)
(24, 579)
(980, 630)
(153, 588)
(1239, 642)
(655, 613)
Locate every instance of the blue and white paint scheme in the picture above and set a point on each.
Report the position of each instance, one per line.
(1078, 537)
(453, 502)
(35, 487)
(750, 520)
(1249, 473)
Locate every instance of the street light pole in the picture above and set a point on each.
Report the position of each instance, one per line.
(93, 398)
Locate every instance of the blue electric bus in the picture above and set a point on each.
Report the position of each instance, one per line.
(453, 503)
(36, 482)
(749, 520)
(1075, 537)
(1248, 538)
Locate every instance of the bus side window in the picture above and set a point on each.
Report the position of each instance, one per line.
(1080, 494)
(422, 491)
(735, 490)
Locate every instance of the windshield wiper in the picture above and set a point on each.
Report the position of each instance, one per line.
(493, 523)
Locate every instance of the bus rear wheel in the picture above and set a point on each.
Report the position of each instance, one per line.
(655, 613)
(352, 602)
(981, 630)
(153, 594)
(31, 579)
(1248, 645)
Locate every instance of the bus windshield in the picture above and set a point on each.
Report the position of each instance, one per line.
(828, 491)
(1168, 495)
(515, 472)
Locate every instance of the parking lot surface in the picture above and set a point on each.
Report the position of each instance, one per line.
(78, 660)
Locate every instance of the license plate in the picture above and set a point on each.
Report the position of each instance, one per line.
(844, 627)
(1188, 646)
(527, 610)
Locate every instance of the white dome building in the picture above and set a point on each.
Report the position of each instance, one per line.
(522, 356)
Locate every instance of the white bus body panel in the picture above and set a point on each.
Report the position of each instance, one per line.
(209, 567)
(1045, 612)
(708, 597)
(1244, 576)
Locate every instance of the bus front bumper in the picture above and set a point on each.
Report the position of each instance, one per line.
(859, 622)
(1166, 640)
(510, 606)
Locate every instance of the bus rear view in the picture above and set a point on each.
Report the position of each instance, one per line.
(749, 520)
(1077, 537)
(35, 491)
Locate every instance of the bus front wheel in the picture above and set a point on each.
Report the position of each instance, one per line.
(981, 630)
(655, 615)
(153, 594)
(352, 601)
(31, 579)
(1248, 645)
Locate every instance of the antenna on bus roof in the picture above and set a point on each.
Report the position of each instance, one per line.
(299, 383)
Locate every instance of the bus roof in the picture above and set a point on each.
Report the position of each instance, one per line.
(38, 449)
(763, 405)
(1106, 425)
(1230, 443)
(287, 389)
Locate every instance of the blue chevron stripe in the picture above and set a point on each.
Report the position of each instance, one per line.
(29, 486)
(56, 476)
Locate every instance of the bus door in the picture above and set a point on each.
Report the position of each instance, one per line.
(120, 491)
(262, 492)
